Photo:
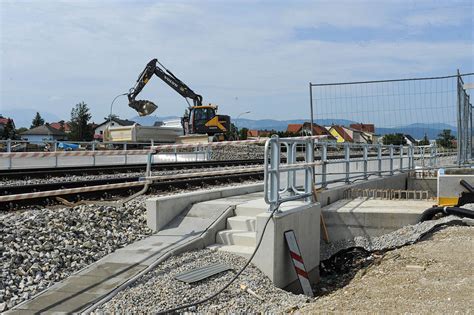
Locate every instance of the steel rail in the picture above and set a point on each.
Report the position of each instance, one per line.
(113, 169)
(163, 184)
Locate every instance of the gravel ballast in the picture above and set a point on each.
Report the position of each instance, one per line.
(76, 178)
(158, 290)
(40, 247)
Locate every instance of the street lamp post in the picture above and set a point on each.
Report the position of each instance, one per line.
(112, 105)
(311, 105)
(247, 112)
(110, 115)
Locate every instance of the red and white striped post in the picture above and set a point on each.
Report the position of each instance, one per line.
(298, 263)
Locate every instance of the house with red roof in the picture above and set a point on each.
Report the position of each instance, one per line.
(61, 125)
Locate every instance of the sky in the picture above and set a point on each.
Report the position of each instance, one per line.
(256, 56)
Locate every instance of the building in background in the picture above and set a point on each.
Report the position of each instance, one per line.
(114, 122)
(305, 130)
(410, 140)
(339, 133)
(259, 133)
(368, 132)
(61, 125)
(370, 128)
(43, 133)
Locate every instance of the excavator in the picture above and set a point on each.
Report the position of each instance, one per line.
(200, 120)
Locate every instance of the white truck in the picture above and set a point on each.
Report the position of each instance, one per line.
(166, 133)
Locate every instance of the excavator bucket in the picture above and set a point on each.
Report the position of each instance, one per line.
(143, 107)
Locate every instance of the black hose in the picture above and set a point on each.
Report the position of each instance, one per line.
(175, 309)
(428, 214)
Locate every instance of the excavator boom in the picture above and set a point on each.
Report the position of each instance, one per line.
(144, 107)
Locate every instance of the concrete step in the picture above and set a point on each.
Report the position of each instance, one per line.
(244, 251)
(241, 223)
(236, 237)
(248, 211)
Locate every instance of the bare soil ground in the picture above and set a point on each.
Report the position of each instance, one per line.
(433, 276)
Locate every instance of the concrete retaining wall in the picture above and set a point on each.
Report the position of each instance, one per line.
(161, 210)
(429, 184)
(398, 181)
(273, 256)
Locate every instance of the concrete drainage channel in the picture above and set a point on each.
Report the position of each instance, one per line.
(212, 222)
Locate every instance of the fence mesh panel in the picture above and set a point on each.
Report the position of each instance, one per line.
(420, 107)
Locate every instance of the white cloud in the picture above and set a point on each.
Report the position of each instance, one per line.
(93, 51)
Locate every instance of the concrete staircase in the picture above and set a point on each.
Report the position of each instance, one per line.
(240, 236)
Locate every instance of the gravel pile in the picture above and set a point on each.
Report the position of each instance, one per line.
(158, 290)
(41, 247)
(404, 236)
(238, 152)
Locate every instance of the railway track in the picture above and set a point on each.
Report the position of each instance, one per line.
(116, 169)
(17, 197)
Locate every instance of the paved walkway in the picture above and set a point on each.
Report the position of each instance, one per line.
(92, 283)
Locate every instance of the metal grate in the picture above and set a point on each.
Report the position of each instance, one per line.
(201, 273)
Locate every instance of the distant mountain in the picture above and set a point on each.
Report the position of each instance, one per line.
(150, 120)
(416, 132)
(438, 126)
(24, 116)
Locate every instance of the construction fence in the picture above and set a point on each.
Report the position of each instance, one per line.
(424, 109)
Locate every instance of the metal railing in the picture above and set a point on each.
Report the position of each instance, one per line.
(274, 193)
(348, 162)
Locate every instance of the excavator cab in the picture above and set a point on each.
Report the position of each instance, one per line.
(199, 116)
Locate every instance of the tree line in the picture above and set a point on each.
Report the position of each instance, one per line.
(445, 139)
(80, 127)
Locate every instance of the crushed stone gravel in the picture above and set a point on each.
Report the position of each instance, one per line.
(40, 246)
(158, 290)
(74, 178)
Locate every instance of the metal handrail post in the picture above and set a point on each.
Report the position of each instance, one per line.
(9, 150)
(324, 166)
(126, 154)
(55, 148)
(366, 161)
(309, 177)
(149, 160)
(431, 156)
(347, 157)
(275, 173)
(379, 159)
(459, 116)
(290, 159)
(401, 158)
(391, 159)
